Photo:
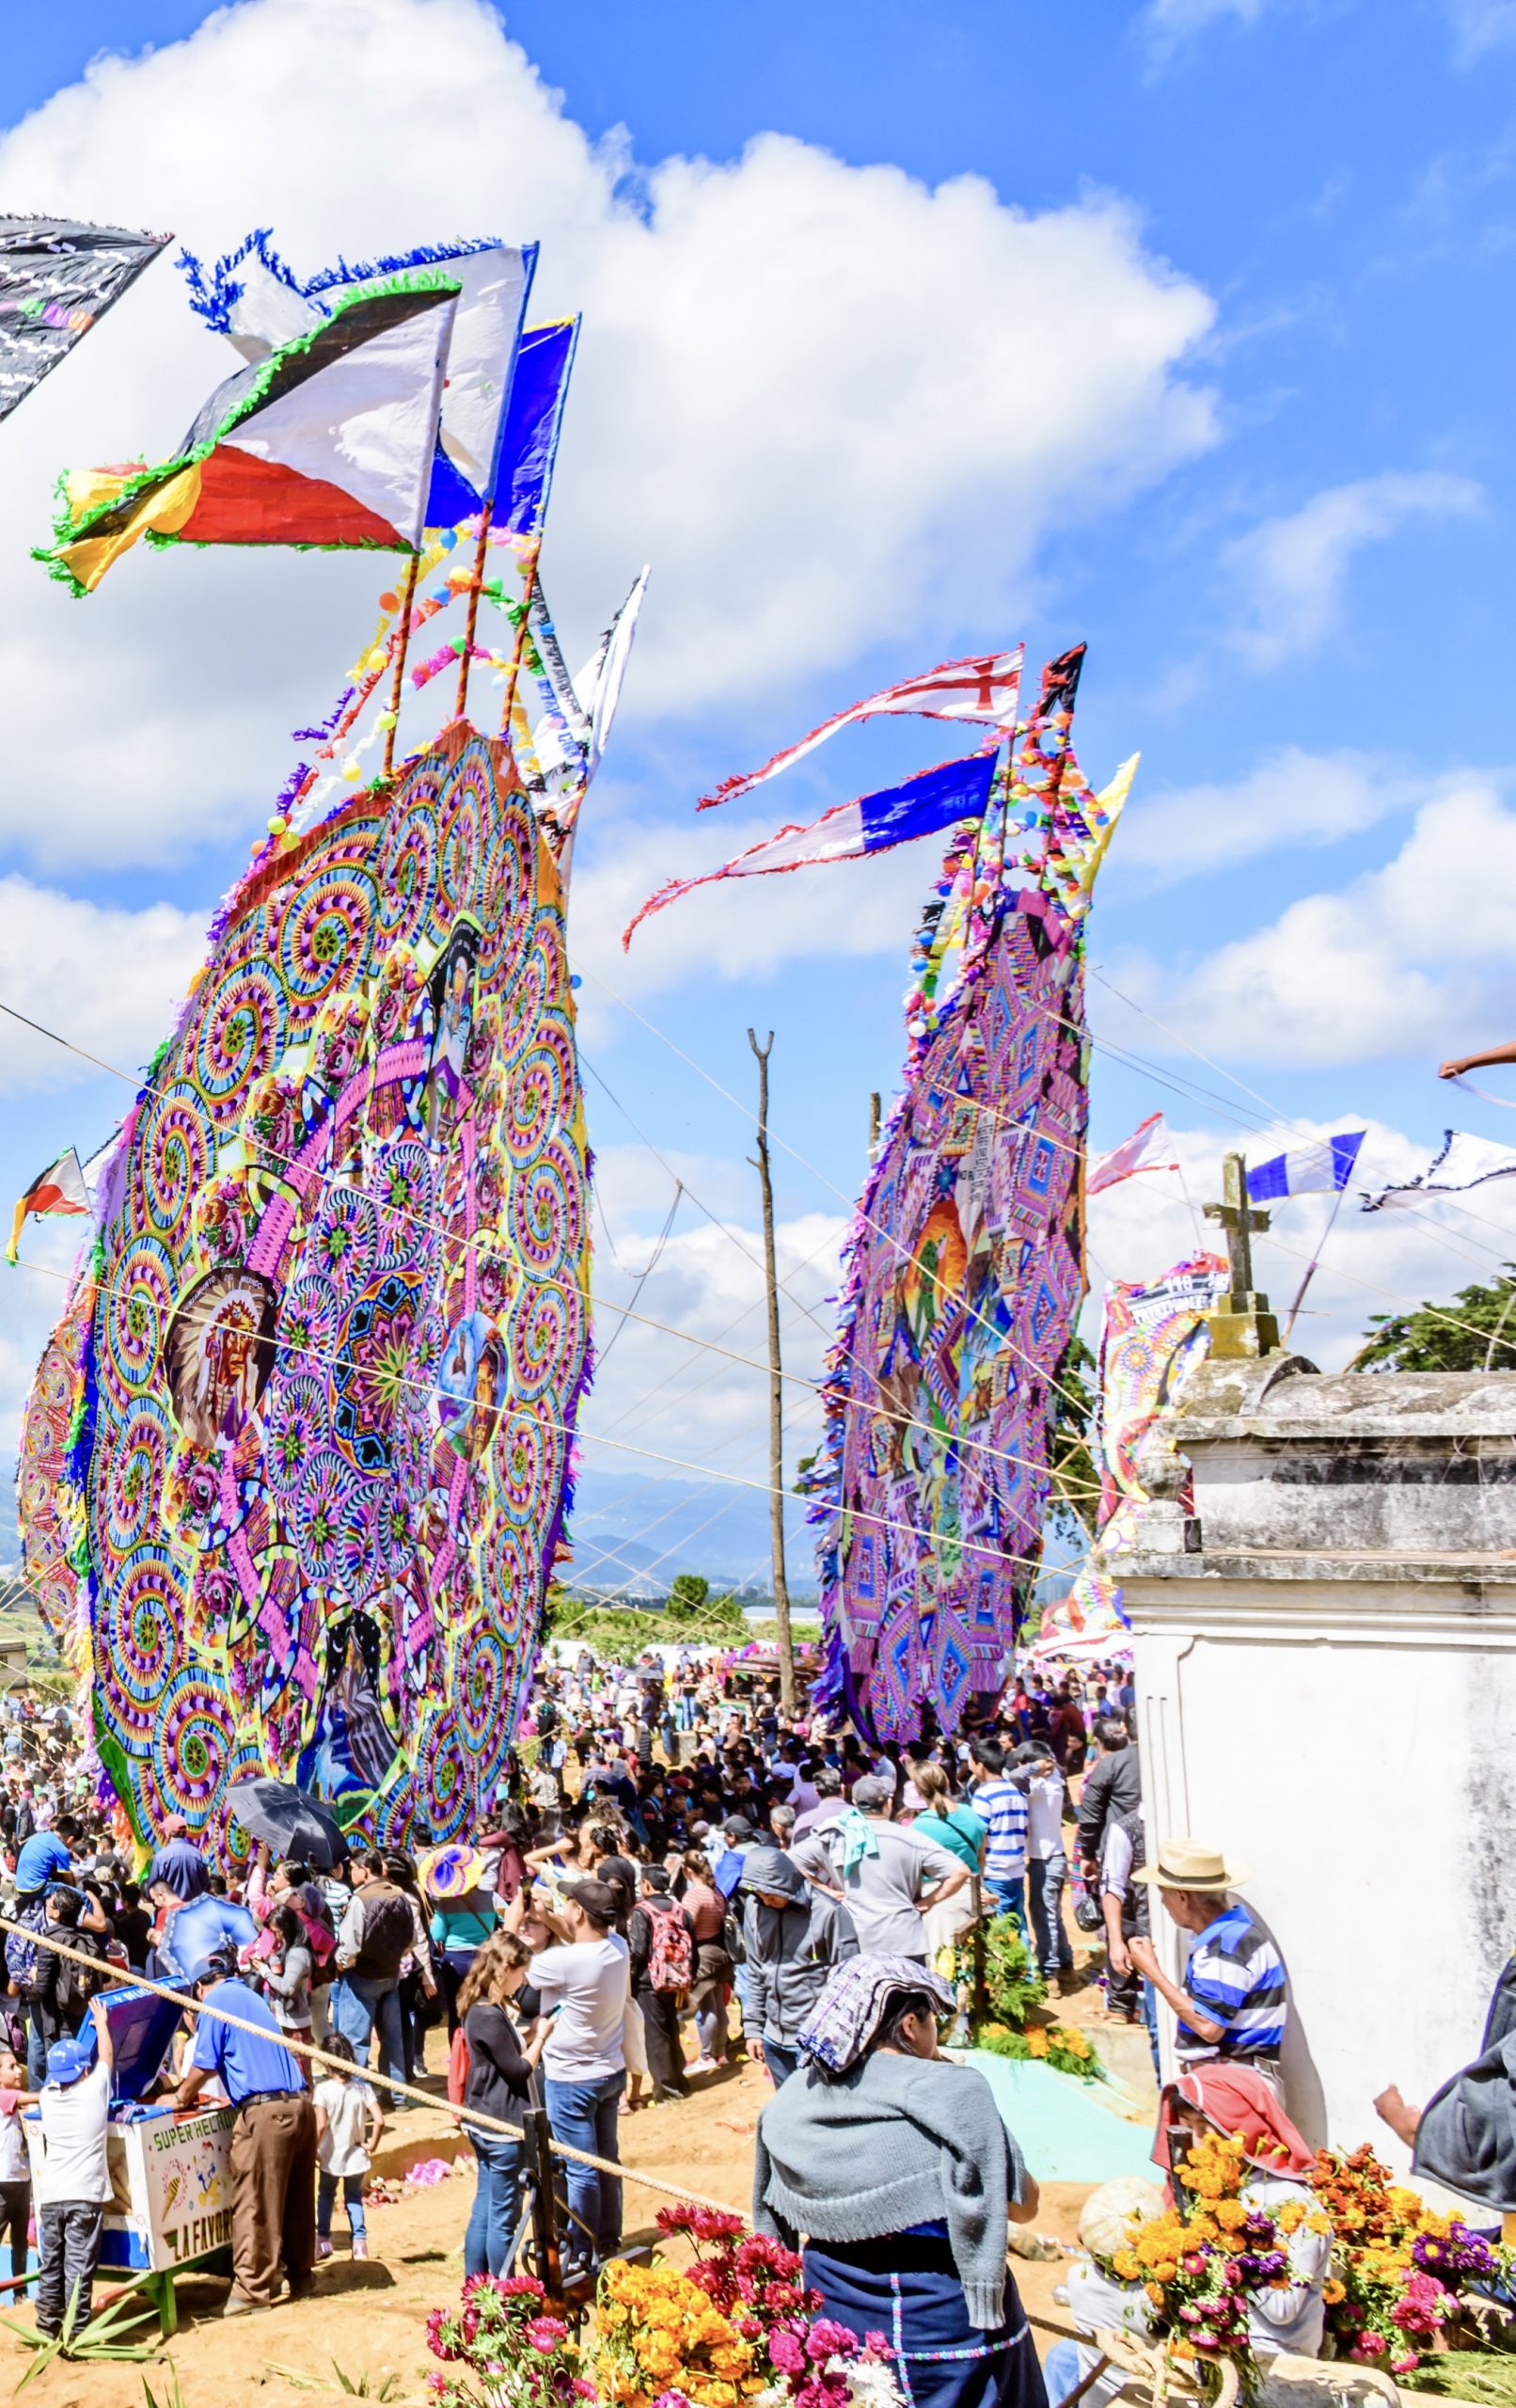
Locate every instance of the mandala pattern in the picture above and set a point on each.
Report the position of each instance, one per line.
(964, 1263)
(294, 1462)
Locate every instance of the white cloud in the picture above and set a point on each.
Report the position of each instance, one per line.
(108, 980)
(1293, 799)
(1292, 571)
(1480, 25)
(812, 394)
(1372, 1263)
(1377, 967)
(1171, 22)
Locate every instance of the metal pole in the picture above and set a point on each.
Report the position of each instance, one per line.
(787, 1692)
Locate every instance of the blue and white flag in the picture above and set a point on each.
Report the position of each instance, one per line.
(874, 823)
(1306, 1170)
(1459, 1162)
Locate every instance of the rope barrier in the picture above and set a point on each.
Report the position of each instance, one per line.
(468, 2116)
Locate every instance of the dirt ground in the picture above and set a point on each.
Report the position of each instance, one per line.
(369, 2320)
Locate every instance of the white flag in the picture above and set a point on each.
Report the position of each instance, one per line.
(1463, 1162)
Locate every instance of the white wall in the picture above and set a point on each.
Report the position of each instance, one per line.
(1355, 1744)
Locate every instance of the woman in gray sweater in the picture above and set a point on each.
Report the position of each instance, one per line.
(894, 2167)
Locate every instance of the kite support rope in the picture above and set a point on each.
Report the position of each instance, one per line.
(465, 2115)
(481, 550)
(402, 637)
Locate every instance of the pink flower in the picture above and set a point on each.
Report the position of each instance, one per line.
(877, 2345)
(788, 2352)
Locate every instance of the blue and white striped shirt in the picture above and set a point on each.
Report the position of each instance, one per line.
(1236, 1978)
(1004, 1808)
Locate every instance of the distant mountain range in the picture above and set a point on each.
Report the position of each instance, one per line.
(633, 1535)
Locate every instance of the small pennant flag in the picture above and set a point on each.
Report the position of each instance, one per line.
(985, 690)
(60, 1188)
(532, 424)
(58, 278)
(1140, 1151)
(1460, 1162)
(923, 806)
(1306, 1170)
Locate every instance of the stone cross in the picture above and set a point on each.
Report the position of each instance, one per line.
(1239, 1219)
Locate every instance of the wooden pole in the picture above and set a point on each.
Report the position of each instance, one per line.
(529, 587)
(461, 706)
(788, 1695)
(403, 645)
(874, 1124)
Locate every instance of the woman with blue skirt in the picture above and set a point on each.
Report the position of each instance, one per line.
(892, 2169)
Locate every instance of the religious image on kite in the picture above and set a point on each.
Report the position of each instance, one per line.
(964, 1267)
(295, 1464)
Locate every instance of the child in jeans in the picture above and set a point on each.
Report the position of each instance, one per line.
(348, 2125)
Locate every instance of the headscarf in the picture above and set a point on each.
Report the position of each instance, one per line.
(1235, 2099)
(852, 2006)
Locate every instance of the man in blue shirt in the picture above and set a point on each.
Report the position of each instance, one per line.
(273, 2156)
(1234, 2000)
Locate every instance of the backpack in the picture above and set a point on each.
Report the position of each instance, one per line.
(458, 2067)
(671, 1962)
(731, 1940)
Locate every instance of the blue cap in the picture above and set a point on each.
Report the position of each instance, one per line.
(67, 2060)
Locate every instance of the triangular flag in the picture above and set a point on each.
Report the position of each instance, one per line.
(1140, 1151)
(60, 1188)
(58, 278)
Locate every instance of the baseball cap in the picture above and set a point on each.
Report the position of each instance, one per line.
(67, 2060)
(601, 1903)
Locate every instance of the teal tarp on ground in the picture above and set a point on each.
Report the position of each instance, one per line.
(1065, 2129)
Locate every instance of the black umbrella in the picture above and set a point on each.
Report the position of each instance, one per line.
(293, 1822)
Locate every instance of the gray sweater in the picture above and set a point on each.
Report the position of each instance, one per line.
(897, 2141)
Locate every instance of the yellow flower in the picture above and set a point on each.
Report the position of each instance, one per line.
(1037, 2043)
(1231, 2214)
(1127, 2264)
(1334, 2291)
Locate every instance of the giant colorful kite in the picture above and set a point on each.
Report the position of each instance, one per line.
(313, 1434)
(965, 1261)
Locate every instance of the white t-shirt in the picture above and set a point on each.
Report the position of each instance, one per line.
(1045, 1817)
(346, 2106)
(72, 2164)
(592, 1979)
(13, 2164)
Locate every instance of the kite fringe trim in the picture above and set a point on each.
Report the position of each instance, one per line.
(213, 297)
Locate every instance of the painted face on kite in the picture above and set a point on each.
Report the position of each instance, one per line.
(331, 1358)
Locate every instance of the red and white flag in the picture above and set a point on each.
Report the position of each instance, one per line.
(984, 690)
(60, 1188)
(1140, 1151)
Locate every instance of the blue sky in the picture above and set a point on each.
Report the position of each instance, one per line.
(1212, 367)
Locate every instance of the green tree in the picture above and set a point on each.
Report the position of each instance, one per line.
(1476, 1332)
(1076, 1484)
(693, 1607)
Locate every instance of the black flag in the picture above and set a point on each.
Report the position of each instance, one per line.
(55, 279)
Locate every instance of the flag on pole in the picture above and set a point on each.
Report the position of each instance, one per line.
(328, 441)
(923, 806)
(983, 689)
(1306, 1170)
(58, 278)
(1140, 1151)
(529, 444)
(1460, 1162)
(255, 300)
(60, 1188)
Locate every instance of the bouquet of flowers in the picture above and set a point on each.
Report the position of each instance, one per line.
(737, 2326)
(1197, 2263)
(1059, 2045)
(507, 2349)
(1401, 2273)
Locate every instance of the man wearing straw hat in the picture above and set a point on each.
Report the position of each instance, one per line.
(1232, 2003)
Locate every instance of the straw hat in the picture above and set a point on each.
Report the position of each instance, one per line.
(452, 1871)
(1186, 1865)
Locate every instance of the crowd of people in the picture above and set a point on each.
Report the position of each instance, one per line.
(674, 1874)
